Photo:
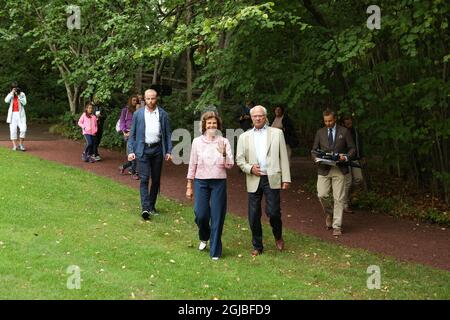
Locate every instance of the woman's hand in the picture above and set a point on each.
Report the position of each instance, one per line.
(222, 148)
(189, 191)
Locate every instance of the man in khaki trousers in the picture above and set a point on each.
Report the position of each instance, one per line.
(336, 139)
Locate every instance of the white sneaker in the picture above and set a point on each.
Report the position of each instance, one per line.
(215, 258)
(202, 245)
(97, 158)
(14, 148)
(21, 147)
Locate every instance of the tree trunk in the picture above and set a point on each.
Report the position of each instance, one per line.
(155, 72)
(188, 57)
(138, 80)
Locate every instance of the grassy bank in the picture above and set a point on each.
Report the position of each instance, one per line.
(53, 217)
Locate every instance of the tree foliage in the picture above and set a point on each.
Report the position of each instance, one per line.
(307, 54)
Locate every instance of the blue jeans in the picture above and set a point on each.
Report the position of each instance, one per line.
(89, 148)
(150, 165)
(210, 205)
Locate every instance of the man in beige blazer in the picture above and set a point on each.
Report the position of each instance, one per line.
(335, 139)
(262, 155)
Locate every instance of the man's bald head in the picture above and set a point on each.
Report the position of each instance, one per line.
(151, 91)
(151, 98)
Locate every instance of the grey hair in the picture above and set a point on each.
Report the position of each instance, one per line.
(259, 106)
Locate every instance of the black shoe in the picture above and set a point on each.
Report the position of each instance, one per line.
(145, 215)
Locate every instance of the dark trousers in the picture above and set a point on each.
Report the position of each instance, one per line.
(150, 166)
(131, 164)
(272, 211)
(89, 147)
(210, 205)
(97, 140)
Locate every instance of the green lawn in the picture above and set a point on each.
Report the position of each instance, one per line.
(52, 217)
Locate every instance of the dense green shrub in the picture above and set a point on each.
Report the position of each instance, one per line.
(111, 138)
(67, 126)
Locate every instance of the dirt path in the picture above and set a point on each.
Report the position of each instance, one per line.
(403, 239)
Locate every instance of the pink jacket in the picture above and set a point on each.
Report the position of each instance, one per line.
(206, 162)
(89, 125)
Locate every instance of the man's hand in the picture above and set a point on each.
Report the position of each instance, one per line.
(256, 170)
(131, 157)
(285, 185)
(168, 157)
(126, 134)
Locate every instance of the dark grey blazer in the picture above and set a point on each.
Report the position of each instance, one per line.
(343, 143)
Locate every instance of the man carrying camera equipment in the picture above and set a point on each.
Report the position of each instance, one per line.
(16, 115)
(337, 144)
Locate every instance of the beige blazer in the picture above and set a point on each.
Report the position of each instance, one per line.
(277, 158)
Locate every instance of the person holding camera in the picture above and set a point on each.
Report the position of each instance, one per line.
(337, 140)
(16, 116)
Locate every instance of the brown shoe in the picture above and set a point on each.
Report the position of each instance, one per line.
(256, 252)
(337, 232)
(348, 210)
(280, 244)
(329, 221)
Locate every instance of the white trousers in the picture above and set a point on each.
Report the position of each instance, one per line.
(15, 122)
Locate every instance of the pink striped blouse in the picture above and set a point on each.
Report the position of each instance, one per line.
(206, 162)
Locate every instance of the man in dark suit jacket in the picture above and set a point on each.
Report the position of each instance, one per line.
(150, 140)
(336, 139)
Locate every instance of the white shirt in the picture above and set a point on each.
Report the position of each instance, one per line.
(260, 137)
(152, 126)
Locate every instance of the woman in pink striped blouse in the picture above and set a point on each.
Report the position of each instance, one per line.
(210, 157)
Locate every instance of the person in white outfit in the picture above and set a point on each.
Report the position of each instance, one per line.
(16, 115)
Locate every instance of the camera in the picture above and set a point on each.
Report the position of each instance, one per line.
(17, 91)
